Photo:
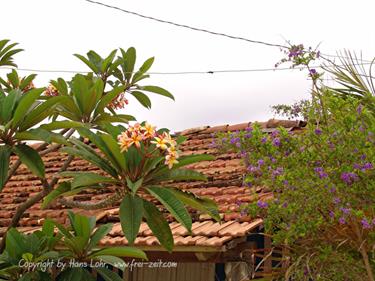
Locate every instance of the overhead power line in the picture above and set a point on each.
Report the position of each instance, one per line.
(175, 72)
(167, 72)
(203, 30)
(188, 26)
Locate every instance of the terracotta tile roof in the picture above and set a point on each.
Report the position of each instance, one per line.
(224, 185)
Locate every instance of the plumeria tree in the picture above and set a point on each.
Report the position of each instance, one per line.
(134, 159)
(322, 178)
(137, 161)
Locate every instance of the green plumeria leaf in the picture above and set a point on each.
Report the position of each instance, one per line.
(61, 189)
(90, 179)
(41, 112)
(158, 90)
(35, 134)
(108, 275)
(134, 186)
(204, 205)
(173, 205)
(61, 125)
(131, 209)
(121, 252)
(142, 98)
(107, 99)
(99, 233)
(113, 261)
(91, 65)
(31, 159)
(159, 226)
(24, 104)
(8, 105)
(181, 174)
(86, 152)
(5, 152)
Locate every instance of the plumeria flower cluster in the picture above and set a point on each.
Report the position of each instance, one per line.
(147, 134)
(119, 102)
(51, 91)
(27, 88)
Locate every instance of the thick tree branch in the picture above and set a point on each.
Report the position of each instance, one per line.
(52, 148)
(107, 202)
(22, 208)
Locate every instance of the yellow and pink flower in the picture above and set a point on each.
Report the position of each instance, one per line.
(137, 134)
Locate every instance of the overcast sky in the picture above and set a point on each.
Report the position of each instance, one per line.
(51, 31)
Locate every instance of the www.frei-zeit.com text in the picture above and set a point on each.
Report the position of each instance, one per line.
(61, 265)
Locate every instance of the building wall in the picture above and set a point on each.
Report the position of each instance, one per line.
(183, 272)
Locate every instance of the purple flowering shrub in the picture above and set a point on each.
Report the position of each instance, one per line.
(298, 110)
(323, 184)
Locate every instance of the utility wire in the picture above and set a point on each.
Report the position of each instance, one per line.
(166, 73)
(187, 26)
(203, 30)
(179, 72)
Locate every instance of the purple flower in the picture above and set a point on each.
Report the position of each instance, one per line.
(238, 202)
(331, 214)
(331, 145)
(235, 140)
(277, 172)
(262, 204)
(367, 166)
(213, 143)
(342, 220)
(312, 71)
(318, 131)
(275, 133)
(249, 129)
(320, 172)
(276, 142)
(332, 190)
(363, 156)
(260, 162)
(243, 212)
(252, 168)
(264, 140)
(238, 144)
(248, 135)
(359, 109)
(285, 182)
(346, 211)
(365, 224)
(285, 204)
(336, 200)
(349, 178)
(356, 166)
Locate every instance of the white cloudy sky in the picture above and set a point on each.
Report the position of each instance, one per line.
(51, 31)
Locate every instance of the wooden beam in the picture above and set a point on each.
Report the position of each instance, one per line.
(204, 256)
(157, 248)
(267, 252)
